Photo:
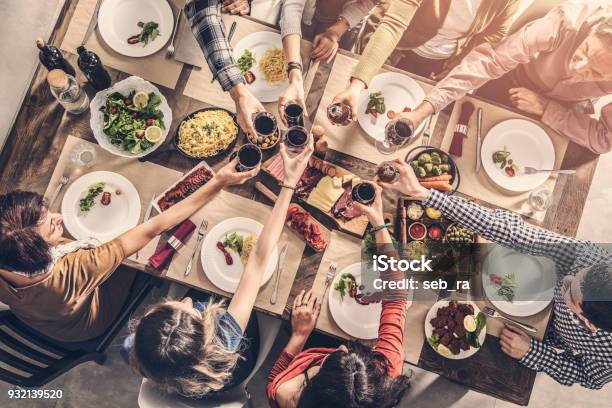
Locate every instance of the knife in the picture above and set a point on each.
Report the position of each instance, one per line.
(92, 23)
(478, 137)
(147, 216)
(279, 272)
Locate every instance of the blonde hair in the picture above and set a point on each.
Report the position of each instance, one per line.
(604, 29)
(181, 352)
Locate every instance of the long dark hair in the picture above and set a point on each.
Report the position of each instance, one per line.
(354, 379)
(180, 352)
(22, 248)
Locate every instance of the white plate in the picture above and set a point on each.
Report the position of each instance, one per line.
(226, 277)
(429, 329)
(125, 87)
(528, 144)
(258, 43)
(399, 91)
(102, 222)
(536, 281)
(358, 321)
(118, 20)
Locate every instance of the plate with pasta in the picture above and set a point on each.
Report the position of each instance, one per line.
(261, 60)
(206, 133)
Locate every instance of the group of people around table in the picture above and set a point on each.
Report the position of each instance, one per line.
(72, 291)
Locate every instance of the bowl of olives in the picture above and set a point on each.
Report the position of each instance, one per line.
(434, 168)
(458, 236)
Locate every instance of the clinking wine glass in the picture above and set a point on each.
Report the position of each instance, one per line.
(398, 132)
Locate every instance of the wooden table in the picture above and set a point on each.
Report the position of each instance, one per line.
(41, 128)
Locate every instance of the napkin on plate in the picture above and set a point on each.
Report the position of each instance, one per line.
(163, 254)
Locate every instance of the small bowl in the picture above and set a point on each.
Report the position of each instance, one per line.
(454, 243)
(412, 233)
(421, 210)
(431, 209)
(435, 232)
(270, 146)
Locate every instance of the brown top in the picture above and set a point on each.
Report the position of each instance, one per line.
(67, 304)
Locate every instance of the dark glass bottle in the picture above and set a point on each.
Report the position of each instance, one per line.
(91, 66)
(52, 58)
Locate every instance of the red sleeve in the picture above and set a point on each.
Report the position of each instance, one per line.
(390, 341)
(281, 365)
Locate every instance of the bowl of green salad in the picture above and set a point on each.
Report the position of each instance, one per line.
(131, 118)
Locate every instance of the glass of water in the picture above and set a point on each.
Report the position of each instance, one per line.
(83, 155)
(540, 199)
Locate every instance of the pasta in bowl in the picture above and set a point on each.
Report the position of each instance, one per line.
(206, 133)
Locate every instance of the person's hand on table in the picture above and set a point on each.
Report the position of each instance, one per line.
(528, 101)
(294, 166)
(240, 7)
(374, 211)
(325, 46)
(304, 314)
(350, 96)
(406, 181)
(514, 342)
(228, 175)
(246, 106)
(294, 92)
(417, 115)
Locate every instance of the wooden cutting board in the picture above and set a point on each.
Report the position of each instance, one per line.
(356, 226)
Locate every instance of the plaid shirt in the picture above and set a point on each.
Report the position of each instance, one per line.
(570, 353)
(208, 28)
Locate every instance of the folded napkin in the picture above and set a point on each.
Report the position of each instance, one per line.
(163, 254)
(461, 129)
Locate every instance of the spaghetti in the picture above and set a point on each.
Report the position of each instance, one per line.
(272, 65)
(206, 133)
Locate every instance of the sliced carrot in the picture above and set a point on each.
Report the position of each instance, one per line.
(443, 177)
(437, 185)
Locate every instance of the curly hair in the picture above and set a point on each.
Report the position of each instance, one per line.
(181, 352)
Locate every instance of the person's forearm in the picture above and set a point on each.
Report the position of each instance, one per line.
(139, 236)
(295, 345)
(291, 17)
(291, 46)
(355, 10)
(244, 298)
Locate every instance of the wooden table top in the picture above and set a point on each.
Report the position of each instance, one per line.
(41, 128)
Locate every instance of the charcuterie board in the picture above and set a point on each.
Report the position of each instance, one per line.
(326, 187)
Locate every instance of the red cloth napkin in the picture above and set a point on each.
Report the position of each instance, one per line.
(163, 254)
(456, 147)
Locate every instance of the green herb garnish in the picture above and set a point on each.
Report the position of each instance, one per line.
(472, 337)
(148, 34)
(376, 103)
(235, 241)
(507, 287)
(95, 190)
(345, 283)
(246, 61)
(434, 341)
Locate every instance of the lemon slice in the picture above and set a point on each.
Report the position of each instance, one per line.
(140, 99)
(469, 323)
(444, 351)
(153, 134)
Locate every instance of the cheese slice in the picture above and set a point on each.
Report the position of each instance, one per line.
(325, 194)
(347, 177)
(355, 181)
(337, 182)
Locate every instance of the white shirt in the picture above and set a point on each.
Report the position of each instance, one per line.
(458, 21)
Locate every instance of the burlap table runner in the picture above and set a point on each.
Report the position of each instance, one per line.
(147, 177)
(155, 68)
(345, 250)
(352, 139)
(228, 205)
(199, 86)
(479, 185)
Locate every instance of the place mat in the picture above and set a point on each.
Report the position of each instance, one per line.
(141, 174)
(155, 68)
(199, 86)
(345, 250)
(227, 205)
(352, 139)
(478, 185)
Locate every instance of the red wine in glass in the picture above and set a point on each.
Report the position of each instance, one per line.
(339, 114)
(249, 156)
(296, 138)
(294, 113)
(363, 193)
(265, 124)
(397, 133)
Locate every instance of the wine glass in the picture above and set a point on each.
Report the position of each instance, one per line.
(397, 133)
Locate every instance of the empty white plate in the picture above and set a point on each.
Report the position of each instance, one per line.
(528, 144)
(536, 277)
(102, 222)
(226, 277)
(118, 21)
(399, 91)
(259, 43)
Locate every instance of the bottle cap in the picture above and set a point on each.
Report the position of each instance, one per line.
(40, 43)
(80, 49)
(57, 79)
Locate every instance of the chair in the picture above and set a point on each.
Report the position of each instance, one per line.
(37, 359)
(151, 397)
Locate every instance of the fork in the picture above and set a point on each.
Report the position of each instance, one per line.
(170, 48)
(201, 232)
(489, 311)
(427, 132)
(533, 170)
(62, 182)
(331, 272)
